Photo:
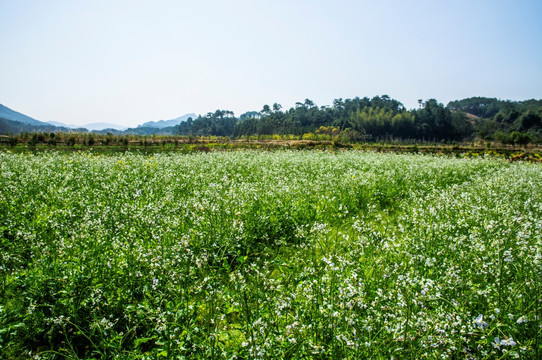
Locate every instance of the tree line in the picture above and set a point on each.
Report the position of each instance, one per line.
(382, 118)
(512, 122)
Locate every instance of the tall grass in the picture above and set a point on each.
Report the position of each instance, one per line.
(261, 255)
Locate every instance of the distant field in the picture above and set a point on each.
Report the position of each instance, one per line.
(152, 144)
(269, 255)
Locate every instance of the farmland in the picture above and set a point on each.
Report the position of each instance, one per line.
(258, 255)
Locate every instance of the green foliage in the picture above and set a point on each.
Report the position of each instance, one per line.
(219, 123)
(283, 255)
(381, 123)
(380, 118)
(12, 141)
(377, 119)
(499, 119)
(70, 141)
(90, 140)
(478, 106)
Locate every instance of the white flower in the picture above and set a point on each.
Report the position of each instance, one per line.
(479, 321)
(508, 342)
(507, 256)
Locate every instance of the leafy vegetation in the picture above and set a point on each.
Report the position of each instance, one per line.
(323, 138)
(383, 118)
(508, 122)
(286, 254)
(378, 119)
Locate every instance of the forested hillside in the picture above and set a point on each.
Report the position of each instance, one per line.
(383, 118)
(518, 122)
(376, 119)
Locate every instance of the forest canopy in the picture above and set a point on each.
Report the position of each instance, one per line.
(376, 119)
(382, 118)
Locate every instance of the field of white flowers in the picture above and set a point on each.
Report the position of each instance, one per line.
(269, 255)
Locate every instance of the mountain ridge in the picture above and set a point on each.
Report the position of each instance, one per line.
(10, 114)
(103, 126)
(15, 122)
(167, 123)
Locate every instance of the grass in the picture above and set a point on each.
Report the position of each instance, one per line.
(152, 144)
(286, 254)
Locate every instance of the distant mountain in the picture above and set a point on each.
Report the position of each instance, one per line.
(102, 126)
(96, 127)
(166, 123)
(16, 127)
(13, 122)
(56, 123)
(8, 114)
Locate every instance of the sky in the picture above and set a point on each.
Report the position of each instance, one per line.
(129, 62)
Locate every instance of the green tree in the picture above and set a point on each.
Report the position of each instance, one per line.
(266, 110)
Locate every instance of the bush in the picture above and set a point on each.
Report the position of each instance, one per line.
(70, 141)
(519, 138)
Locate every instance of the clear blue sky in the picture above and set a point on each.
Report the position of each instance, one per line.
(128, 62)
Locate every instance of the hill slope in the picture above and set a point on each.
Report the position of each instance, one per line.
(15, 127)
(8, 114)
(166, 123)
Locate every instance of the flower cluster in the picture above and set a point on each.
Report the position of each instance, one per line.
(264, 255)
